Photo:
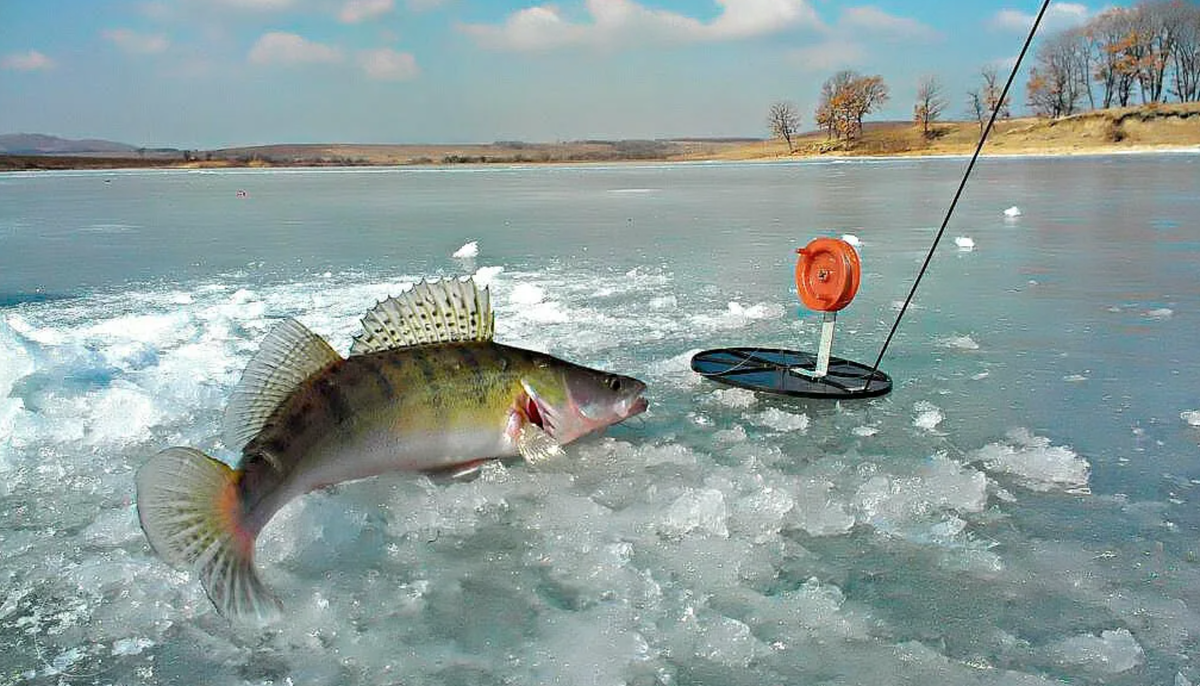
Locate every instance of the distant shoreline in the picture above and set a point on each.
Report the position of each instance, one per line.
(1150, 129)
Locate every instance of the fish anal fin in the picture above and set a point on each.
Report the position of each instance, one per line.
(190, 509)
(446, 311)
(288, 355)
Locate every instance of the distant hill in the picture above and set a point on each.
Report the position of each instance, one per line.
(41, 144)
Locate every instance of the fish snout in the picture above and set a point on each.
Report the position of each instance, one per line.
(638, 406)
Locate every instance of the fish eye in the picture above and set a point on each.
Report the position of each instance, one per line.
(613, 383)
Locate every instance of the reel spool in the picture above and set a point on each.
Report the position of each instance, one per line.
(828, 273)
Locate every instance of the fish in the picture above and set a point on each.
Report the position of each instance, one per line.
(425, 388)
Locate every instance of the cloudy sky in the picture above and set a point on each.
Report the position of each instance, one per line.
(212, 73)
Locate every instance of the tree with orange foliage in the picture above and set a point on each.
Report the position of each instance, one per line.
(846, 98)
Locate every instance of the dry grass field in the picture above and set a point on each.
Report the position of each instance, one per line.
(1145, 128)
(1161, 127)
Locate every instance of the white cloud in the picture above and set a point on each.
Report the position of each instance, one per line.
(26, 61)
(386, 64)
(877, 21)
(828, 56)
(1059, 15)
(543, 27)
(138, 43)
(355, 11)
(278, 47)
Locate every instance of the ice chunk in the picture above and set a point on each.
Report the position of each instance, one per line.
(527, 294)
(852, 240)
(738, 398)
(960, 342)
(698, 511)
(1012, 212)
(927, 415)
(1112, 652)
(485, 275)
(758, 311)
(918, 506)
(1160, 313)
(779, 420)
(965, 243)
(1035, 463)
(468, 250)
(1191, 417)
(864, 431)
(131, 646)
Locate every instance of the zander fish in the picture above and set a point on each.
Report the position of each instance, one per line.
(424, 389)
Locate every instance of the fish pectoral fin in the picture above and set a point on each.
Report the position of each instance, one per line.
(535, 445)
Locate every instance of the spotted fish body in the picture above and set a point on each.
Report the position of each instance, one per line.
(425, 389)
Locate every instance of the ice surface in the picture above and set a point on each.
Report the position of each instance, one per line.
(721, 538)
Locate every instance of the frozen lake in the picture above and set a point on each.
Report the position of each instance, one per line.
(1022, 509)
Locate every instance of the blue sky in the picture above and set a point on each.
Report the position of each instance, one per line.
(212, 73)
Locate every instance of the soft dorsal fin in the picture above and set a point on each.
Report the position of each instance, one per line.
(289, 355)
(447, 311)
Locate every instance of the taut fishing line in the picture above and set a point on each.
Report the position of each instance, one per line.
(999, 104)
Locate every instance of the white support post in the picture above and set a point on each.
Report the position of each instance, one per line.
(827, 322)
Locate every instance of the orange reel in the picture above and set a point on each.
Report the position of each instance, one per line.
(827, 274)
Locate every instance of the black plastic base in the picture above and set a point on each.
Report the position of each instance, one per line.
(771, 370)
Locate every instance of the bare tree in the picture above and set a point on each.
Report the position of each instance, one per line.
(978, 110)
(1053, 88)
(1185, 55)
(784, 121)
(991, 92)
(930, 103)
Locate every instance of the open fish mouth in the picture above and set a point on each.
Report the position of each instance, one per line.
(637, 407)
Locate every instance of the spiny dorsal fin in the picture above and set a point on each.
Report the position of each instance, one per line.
(447, 311)
(289, 355)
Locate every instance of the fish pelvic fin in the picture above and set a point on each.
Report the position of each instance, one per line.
(190, 509)
(446, 311)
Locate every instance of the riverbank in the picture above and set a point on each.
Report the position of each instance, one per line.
(1155, 128)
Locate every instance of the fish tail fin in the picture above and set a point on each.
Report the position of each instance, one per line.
(190, 509)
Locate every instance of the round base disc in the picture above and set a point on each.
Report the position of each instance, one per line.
(771, 370)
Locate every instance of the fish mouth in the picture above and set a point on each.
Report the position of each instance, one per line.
(639, 406)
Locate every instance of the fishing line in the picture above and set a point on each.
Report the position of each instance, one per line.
(962, 184)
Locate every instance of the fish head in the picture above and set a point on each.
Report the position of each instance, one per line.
(589, 400)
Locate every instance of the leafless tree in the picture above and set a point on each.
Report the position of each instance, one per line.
(977, 109)
(930, 103)
(1185, 53)
(784, 122)
(991, 92)
(1053, 88)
